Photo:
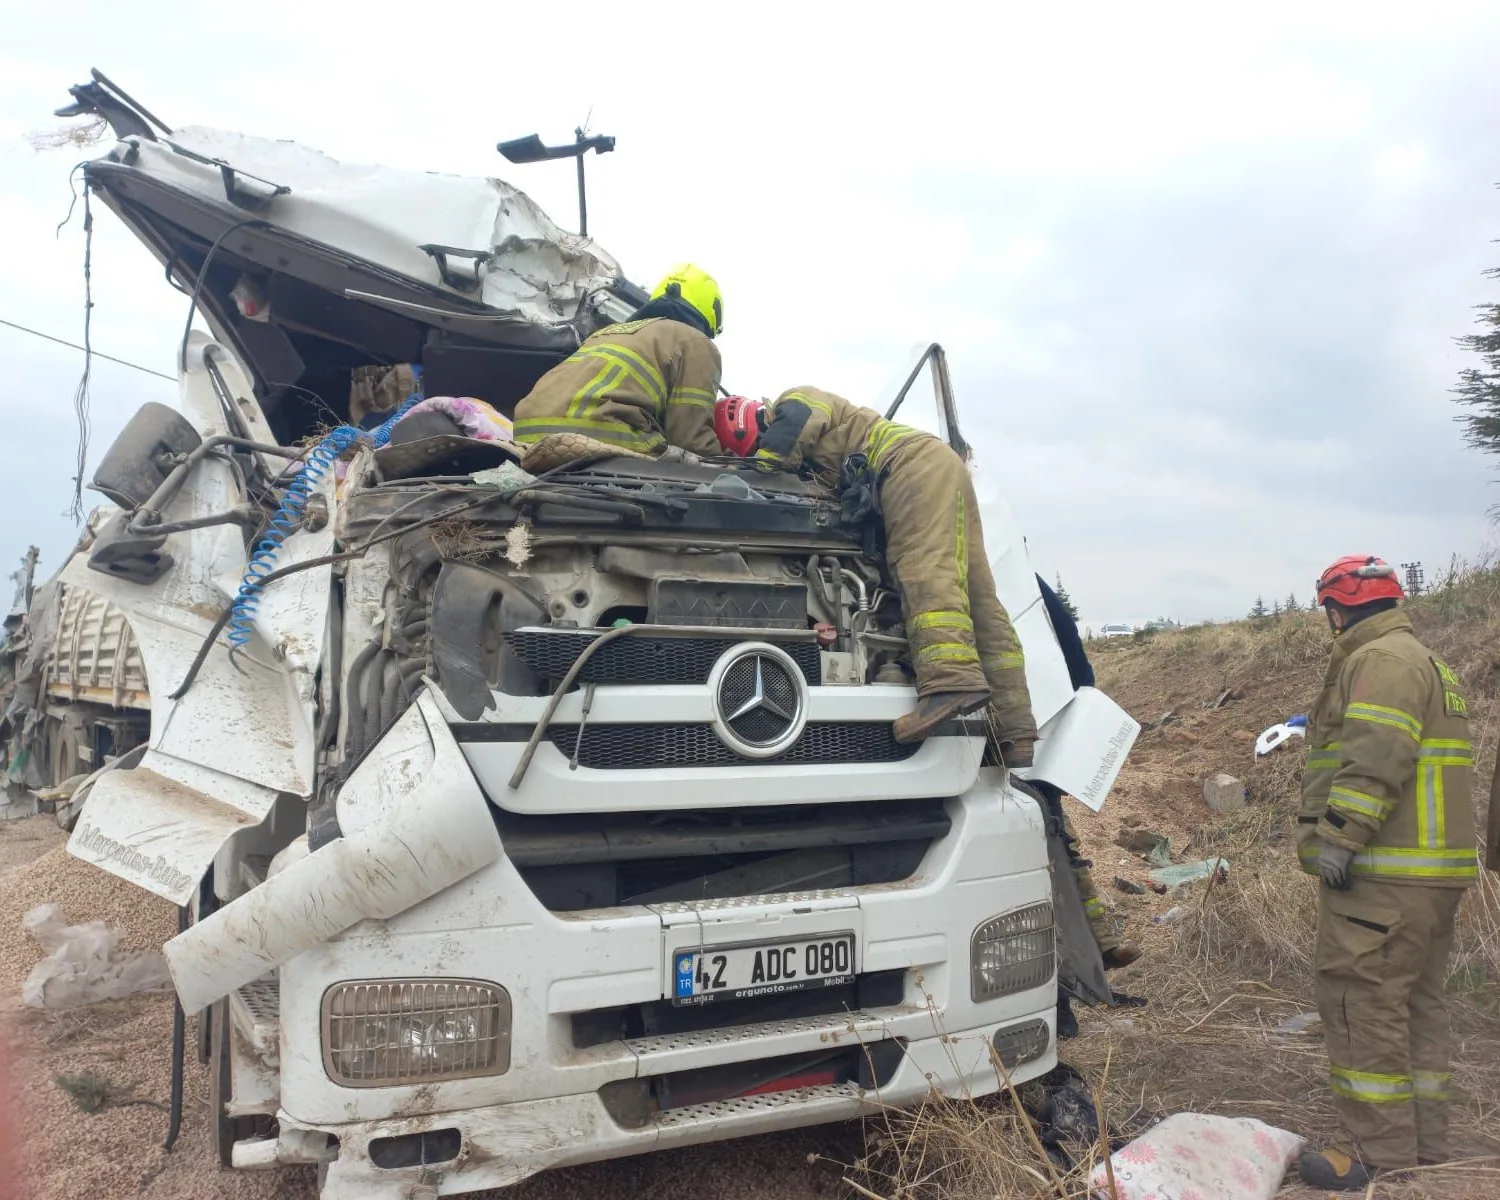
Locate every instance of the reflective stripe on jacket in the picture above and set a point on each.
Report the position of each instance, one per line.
(1390, 767)
(813, 428)
(641, 385)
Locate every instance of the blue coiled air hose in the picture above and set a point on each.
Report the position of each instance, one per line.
(288, 515)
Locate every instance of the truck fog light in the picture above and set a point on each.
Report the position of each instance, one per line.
(1012, 953)
(380, 1033)
(1016, 1045)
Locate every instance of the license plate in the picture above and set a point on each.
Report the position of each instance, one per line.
(703, 975)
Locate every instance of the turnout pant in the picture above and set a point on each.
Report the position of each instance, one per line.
(961, 637)
(1382, 959)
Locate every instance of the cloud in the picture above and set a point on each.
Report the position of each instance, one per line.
(1197, 271)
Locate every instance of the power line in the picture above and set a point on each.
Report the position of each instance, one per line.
(95, 353)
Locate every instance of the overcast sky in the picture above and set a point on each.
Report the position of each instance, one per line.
(1198, 274)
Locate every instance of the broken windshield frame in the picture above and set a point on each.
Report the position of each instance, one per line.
(942, 386)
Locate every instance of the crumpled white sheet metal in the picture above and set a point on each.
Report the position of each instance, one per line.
(538, 274)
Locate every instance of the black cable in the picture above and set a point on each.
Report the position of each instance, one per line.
(202, 656)
(344, 556)
(81, 393)
(96, 353)
(202, 274)
(179, 1053)
(324, 560)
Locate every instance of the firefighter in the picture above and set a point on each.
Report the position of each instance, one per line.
(1387, 823)
(963, 649)
(641, 385)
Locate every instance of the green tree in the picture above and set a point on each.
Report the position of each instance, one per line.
(1276, 609)
(1259, 612)
(1290, 603)
(1066, 600)
(1479, 387)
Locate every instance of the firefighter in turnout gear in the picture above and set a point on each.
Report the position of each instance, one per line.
(642, 385)
(1387, 824)
(963, 648)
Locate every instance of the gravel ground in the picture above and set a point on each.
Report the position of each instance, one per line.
(68, 1154)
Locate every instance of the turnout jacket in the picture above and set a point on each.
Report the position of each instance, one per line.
(640, 385)
(1390, 766)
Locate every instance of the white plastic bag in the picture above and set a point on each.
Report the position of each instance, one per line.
(84, 964)
(1195, 1156)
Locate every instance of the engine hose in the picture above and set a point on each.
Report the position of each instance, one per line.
(354, 696)
(289, 513)
(390, 689)
(374, 685)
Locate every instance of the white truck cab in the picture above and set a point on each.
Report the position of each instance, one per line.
(527, 820)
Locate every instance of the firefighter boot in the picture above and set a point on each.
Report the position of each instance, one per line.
(1334, 1170)
(1121, 956)
(1067, 1023)
(932, 711)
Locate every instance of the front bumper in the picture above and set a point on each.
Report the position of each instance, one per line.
(504, 1144)
(549, 1108)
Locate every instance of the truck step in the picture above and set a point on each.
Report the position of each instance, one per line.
(257, 1014)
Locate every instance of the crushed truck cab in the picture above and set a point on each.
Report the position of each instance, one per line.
(533, 819)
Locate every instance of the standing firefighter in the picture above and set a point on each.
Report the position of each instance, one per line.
(1388, 824)
(963, 648)
(641, 385)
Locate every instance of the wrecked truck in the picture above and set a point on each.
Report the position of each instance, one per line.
(73, 691)
(519, 820)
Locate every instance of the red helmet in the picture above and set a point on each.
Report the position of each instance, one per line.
(1359, 579)
(737, 422)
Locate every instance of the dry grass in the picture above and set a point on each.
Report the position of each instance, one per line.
(1222, 981)
(79, 137)
(962, 1147)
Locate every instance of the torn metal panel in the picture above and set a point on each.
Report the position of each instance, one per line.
(432, 830)
(159, 825)
(501, 255)
(1083, 748)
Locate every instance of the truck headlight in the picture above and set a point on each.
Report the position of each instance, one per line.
(1012, 953)
(380, 1033)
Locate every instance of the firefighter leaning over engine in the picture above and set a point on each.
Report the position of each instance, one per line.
(1387, 822)
(963, 648)
(640, 385)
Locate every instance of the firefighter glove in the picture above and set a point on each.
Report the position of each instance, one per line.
(1333, 866)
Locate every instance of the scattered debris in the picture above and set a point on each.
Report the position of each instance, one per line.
(1170, 917)
(1165, 719)
(84, 964)
(1277, 735)
(1299, 1023)
(518, 544)
(1130, 889)
(1210, 1157)
(1225, 697)
(1159, 888)
(49, 797)
(1176, 876)
(508, 477)
(1063, 1109)
(93, 1093)
(1139, 841)
(1224, 793)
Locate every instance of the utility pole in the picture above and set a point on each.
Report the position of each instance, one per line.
(1416, 578)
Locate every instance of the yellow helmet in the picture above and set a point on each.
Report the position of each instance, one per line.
(698, 288)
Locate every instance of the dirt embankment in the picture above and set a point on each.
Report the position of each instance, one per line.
(1219, 982)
